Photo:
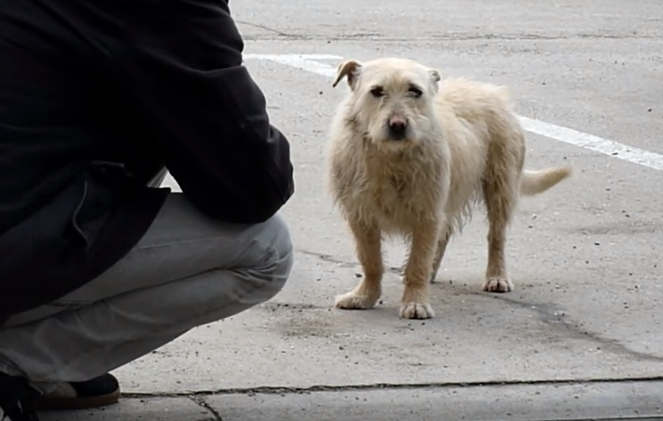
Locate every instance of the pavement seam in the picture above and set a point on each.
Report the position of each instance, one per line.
(440, 38)
(276, 390)
(200, 401)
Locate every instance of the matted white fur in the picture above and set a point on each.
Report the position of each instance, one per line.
(410, 154)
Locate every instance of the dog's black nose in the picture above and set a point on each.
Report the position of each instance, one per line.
(397, 129)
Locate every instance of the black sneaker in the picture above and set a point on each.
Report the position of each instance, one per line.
(100, 391)
(18, 400)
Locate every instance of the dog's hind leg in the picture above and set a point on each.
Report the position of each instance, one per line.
(369, 250)
(418, 272)
(500, 189)
(439, 253)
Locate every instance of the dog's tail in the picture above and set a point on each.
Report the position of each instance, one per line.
(537, 181)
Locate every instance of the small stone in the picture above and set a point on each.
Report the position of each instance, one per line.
(597, 243)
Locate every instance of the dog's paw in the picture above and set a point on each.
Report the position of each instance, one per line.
(354, 301)
(498, 284)
(416, 311)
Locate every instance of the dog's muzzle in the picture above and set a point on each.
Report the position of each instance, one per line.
(397, 128)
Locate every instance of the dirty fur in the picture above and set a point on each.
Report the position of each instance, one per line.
(411, 155)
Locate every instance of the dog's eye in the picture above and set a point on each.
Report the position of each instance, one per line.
(377, 92)
(415, 92)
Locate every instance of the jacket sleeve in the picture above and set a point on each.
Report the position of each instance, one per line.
(182, 66)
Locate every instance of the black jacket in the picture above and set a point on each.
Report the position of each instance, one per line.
(96, 96)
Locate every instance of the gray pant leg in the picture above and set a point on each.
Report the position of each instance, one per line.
(187, 271)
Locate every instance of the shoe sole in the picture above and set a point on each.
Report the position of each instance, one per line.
(65, 404)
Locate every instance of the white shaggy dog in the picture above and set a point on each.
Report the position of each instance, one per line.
(409, 155)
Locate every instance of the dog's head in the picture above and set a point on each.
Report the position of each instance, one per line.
(391, 99)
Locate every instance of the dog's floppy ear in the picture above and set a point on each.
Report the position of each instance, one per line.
(434, 78)
(349, 68)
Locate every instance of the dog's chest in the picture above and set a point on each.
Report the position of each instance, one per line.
(391, 186)
(392, 190)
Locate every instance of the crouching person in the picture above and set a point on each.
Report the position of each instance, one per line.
(98, 265)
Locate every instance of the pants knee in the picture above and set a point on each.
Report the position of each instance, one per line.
(276, 244)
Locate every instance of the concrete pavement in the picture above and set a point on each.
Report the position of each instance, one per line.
(585, 256)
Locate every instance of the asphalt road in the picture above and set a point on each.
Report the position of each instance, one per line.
(585, 257)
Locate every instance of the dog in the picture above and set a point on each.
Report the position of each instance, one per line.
(410, 155)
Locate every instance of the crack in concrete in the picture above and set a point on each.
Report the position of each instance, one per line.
(200, 401)
(280, 390)
(266, 28)
(272, 305)
(330, 259)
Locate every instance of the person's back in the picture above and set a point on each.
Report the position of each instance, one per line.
(96, 98)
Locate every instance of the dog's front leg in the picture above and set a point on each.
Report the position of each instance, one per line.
(418, 272)
(369, 251)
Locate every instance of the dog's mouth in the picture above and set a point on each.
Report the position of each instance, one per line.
(397, 144)
(397, 137)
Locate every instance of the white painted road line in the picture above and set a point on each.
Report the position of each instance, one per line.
(293, 56)
(301, 61)
(563, 134)
(594, 143)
